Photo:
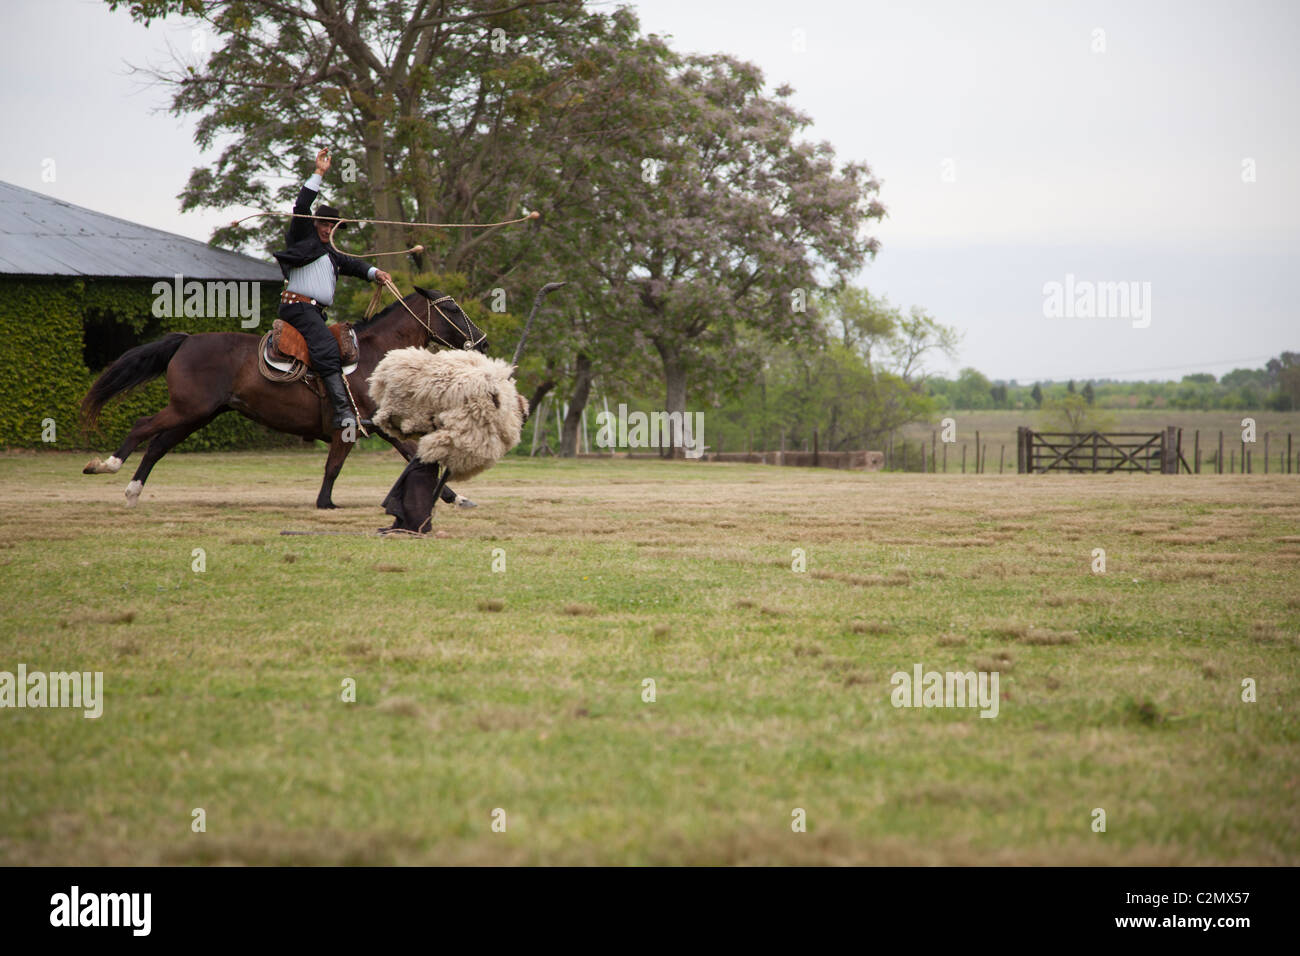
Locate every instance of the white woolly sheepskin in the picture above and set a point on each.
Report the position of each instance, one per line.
(463, 404)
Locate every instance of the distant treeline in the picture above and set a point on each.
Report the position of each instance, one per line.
(1276, 387)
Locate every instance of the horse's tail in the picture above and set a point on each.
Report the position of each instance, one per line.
(133, 368)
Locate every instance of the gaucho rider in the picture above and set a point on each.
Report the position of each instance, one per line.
(311, 266)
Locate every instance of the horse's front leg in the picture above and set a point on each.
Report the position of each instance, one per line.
(333, 465)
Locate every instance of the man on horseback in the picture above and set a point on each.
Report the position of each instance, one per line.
(311, 266)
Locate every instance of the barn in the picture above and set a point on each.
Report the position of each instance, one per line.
(78, 288)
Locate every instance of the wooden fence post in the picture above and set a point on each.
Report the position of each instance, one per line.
(977, 451)
(1002, 453)
(1197, 441)
(1169, 453)
(963, 458)
(1266, 453)
(1219, 460)
(945, 458)
(934, 449)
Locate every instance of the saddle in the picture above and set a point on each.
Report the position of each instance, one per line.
(285, 350)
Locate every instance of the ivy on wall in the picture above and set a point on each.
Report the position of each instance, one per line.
(44, 375)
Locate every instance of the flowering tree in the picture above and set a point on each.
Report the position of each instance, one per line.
(726, 220)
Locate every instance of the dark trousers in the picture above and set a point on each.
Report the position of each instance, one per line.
(310, 321)
(410, 501)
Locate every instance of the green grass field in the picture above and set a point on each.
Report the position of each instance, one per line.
(522, 689)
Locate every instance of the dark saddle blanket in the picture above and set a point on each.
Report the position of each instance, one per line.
(286, 343)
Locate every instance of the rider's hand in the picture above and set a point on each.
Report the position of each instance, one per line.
(382, 276)
(323, 161)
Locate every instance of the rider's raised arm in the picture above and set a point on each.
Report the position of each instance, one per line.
(300, 226)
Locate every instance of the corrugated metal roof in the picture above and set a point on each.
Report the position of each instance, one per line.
(44, 236)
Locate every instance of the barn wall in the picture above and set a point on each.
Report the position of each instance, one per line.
(43, 376)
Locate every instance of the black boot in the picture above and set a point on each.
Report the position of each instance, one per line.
(338, 395)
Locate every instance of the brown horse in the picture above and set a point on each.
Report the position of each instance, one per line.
(211, 373)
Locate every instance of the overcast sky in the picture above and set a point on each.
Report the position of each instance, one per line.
(1017, 143)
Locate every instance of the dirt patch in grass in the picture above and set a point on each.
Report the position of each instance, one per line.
(1042, 637)
(399, 706)
(997, 661)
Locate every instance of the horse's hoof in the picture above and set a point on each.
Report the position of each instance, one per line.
(107, 467)
(133, 493)
(327, 506)
(463, 502)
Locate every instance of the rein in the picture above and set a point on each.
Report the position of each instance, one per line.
(429, 306)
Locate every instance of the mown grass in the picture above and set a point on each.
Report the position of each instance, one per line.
(522, 690)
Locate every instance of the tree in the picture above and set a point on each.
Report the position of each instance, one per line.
(873, 380)
(1089, 395)
(1037, 395)
(852, 386)
(437, 111)
(726, 222)
(442, 111)
(1285, 370)
(1072, 413)
(971, 390)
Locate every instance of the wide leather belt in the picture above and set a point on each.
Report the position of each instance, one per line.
(288, 298)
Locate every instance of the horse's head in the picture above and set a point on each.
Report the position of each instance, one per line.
(449, 324)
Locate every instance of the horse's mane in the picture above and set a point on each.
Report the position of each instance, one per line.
(367, 324)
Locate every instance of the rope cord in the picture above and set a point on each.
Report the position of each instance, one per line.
(389, 222)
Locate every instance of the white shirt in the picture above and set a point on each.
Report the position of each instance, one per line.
(316, 279)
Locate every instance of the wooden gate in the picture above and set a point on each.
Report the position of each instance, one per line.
(1106, 452)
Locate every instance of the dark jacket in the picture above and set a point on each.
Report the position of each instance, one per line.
(304, 245)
